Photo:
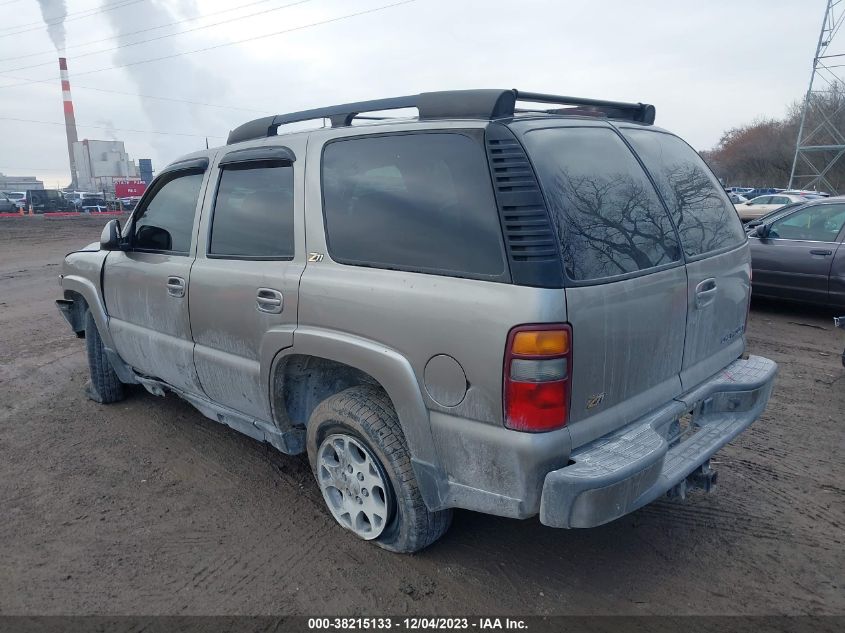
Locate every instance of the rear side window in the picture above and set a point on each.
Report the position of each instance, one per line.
(167, 222)
(420, 202)
(253, 212)
(706, 219)
(607, 215)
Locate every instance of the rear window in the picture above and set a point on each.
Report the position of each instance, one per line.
(253, 212)
(607, 215)
(706, 219)
(421, 202)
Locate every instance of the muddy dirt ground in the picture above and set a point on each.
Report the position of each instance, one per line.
(147, 507)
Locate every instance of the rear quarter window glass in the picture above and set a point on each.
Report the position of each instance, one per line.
(705, 218)
(253, 212)
(607, 215)
(420, 202)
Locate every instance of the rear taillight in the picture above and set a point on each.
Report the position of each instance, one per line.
(537, 375)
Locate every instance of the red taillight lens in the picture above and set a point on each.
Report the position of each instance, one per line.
(536, 406)
(537, 374)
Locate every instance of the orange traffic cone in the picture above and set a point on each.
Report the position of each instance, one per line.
(30, 209)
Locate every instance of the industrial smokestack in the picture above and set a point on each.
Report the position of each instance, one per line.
(70, 120)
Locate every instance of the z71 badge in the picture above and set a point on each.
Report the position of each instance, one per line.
(596, 400)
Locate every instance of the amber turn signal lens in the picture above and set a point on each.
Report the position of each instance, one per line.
(541, 343)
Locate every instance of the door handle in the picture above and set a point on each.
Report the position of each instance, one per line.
(705, 293)
(176, 286)
(820, 251)
(269, 301)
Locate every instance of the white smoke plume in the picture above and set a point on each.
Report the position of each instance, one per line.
(54, 13)
(183, 77)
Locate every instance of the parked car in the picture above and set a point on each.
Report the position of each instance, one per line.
(798, 255)
(772, 215)
(7, 205)
(18, 197)
(128, 204)
(512, 313)
(763, 204)
(736, 198)
(93, 205)
(761, 191)
(807, 193)
(46, 200)
(76, 198)
(742, 191)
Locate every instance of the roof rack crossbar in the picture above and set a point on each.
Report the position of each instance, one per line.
(641, 112)
(463, 104)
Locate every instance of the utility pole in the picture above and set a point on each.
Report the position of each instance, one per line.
(821, 137)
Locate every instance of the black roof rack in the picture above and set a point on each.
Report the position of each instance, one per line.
(450, 104)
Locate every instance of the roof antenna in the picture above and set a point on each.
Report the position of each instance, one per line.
(206, 142)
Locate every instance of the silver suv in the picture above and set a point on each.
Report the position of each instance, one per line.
(518, 311)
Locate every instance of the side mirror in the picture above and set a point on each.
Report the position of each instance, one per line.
(110, 237)
(762, 231)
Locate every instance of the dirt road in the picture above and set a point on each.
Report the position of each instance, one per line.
(147, 507)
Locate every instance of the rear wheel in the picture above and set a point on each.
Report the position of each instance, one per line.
(104, 386)
(362, 464)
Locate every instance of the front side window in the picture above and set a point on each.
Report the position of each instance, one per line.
(253, 212)
(820, 223)
(167, 222)
(762, 200)
(605, 211)
(705, 219)
(421, 202)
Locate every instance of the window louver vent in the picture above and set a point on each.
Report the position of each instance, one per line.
(530, 241)
(525, 221)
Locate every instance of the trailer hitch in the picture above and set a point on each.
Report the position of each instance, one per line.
(703, 478)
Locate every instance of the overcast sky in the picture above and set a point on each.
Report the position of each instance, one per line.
(706, 66)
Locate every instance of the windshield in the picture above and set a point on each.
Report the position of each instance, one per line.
(771, 215)
(14, 195)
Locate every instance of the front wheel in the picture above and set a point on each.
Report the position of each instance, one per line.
(104, 387)
(362, 464)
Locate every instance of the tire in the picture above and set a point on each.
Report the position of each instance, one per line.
(104, 386)
(366, 415)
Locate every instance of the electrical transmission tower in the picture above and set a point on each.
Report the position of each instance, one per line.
(821, 133)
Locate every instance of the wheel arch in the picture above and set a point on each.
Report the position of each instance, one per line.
(350, 360)
(77, 286)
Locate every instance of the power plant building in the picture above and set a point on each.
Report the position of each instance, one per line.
(19, 183)
(100, 163)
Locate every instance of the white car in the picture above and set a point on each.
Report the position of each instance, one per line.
(18, 197)
(761, 205)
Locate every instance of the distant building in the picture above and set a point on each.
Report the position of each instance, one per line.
(100, 163)
(19, 183)
(145, 169)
